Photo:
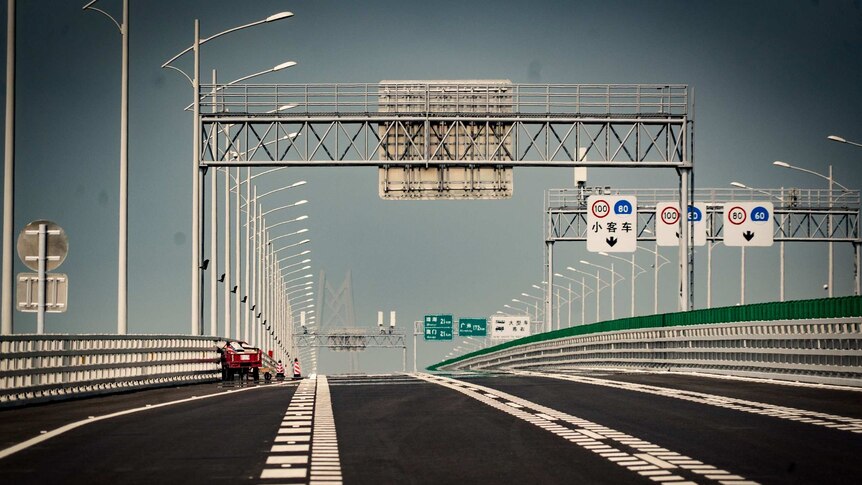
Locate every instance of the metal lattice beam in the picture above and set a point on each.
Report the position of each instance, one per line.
(800, 215)
(413, 123)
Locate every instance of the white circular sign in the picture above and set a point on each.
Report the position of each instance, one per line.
(736, 215)
(669, 215)
(57, 245)
(601, 208)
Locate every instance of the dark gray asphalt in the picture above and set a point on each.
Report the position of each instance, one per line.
(761, 448)
(402, 430)
(846, 403)
(221, 439)
(423, 433)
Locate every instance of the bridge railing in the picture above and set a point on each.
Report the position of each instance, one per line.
(479, 97)
(810, 341)
(35, 368)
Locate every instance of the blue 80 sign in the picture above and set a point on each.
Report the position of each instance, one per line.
(623, 207)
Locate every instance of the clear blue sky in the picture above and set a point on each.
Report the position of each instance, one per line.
(772, 79)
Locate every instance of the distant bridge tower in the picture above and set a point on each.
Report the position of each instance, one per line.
(334, 308)
(335, 311)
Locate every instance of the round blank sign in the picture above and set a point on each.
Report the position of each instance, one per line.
(57, 245)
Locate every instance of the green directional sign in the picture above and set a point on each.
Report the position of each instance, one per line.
(472, 327)
(438, 327)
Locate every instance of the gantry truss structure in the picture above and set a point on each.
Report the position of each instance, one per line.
(450, 138)
(354, 340)
(458, 123)
(800, 215)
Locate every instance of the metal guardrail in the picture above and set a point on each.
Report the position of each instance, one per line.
(826, 351)
(36, 368)
(479, 98)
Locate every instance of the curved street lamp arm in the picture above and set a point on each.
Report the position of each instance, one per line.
(812, 172)
(90, 6)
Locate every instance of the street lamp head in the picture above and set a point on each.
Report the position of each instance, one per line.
(585, 262)
(297, 184)
(301, 202)
(779, 163)
(558, 275)
(301, 231)
(284, 65)
(739, 185)
(603, 253)
(279, 16)
(836, 138)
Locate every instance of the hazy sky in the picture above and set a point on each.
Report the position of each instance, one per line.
(772, 79)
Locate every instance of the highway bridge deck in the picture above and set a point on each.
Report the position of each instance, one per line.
(585, 427)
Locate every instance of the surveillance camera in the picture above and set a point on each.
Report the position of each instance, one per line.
(825, 287)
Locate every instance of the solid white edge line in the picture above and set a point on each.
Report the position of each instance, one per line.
(62, 429)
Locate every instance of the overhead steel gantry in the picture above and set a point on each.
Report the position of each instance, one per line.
(812, 215)
(451, 138)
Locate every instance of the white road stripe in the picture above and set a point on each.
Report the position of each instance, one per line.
(596, 436)
(781, 412)
(44, 436)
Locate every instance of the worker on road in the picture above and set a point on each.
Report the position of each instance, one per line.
(297, 374)
(279, 371)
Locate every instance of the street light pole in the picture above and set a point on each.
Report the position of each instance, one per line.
(857, 244)
(614, 276)
(8, 174)
(196, 302)
(832, 182)
(122, 257)
(633, 275)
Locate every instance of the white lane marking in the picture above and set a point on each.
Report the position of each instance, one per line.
(325, 440)
(292, 441)
(44, 436)
(283, 473)
(782, 412)
(590, 442)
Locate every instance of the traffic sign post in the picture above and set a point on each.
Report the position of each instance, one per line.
(438, 327)
(667, 229)
(472, 327)
(612, 223)
(748, 224)
(42, 246)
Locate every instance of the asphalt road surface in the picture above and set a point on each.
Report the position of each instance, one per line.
(589, 427)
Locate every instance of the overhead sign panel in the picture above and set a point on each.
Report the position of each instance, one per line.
(438, 327)
(667, 217)
(612, 223)
(748, 224)
(510, 327)
(472, 327)
(447, 147)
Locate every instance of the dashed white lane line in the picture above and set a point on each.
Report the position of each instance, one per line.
(306, 445)
(289, 455)
(843, 423)
(92, 419)
(642, 457)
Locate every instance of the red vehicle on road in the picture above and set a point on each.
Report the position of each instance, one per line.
(240, 358)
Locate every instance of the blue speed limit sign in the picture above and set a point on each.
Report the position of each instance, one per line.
(694, 214)
(759, 214)
(623, 207)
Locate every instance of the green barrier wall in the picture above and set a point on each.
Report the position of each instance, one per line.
(847, 306)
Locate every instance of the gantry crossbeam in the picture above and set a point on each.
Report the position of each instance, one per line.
(474, 124)
(800, 214)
